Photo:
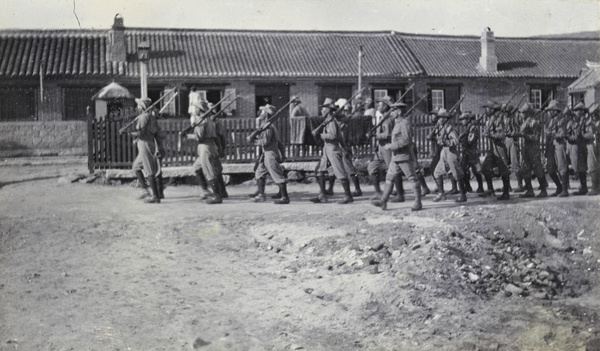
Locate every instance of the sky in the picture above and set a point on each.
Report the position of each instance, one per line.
(507, 18)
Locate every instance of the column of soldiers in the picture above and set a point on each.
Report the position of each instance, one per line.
(571, 136)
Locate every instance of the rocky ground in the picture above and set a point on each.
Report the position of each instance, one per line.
(86, 266)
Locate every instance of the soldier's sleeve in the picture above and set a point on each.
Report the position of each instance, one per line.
(589, 132)
(452, 139)
(264, 137)
(330, 132)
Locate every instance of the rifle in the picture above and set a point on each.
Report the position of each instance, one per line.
(387, 114)
(507, 104)
(146, 110)
(331, 115)
(269, 121)
(201, 119)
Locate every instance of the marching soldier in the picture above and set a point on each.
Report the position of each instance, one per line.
(403, 159)
(437, 149)
(221, 141)
(551, 152)
(512, 123)
(381, 160)
(343, 120)
(589, 134)
(206, 135)
(146, 163)
(448, 139)
(332, 154)
(469, 157)
(576, 147)
(495, 157)
(530, 132)
(270, 158)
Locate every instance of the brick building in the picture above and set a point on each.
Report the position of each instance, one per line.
(50, 76)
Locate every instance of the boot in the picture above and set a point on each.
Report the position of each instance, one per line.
(467, 183)
(595, 188)
(154, 199)
(144, 193)
(278, 195)
(375, 181)
(440, 184)
(356, 181)
(260, 192)
(321, 198)
(203, 184)
(520, 188)
(479, 183)
(543, 186)
(216, 198)
(556, 181)
(454, 189)
(583, 181)
(329, 191)
(285, 199)
(417, 205)
(221, 184)
(347, 194)
(387, 191)
(505, 189)
(528, 189)
(425, 190)
(565, 185)
(463, 191)
(490, 185)
(399, 189)
(160, 187)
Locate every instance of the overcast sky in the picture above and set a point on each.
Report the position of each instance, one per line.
(507, 18)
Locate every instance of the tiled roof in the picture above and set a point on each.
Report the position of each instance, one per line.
(60, 53)
(589, 78)
(446, 56)
(201, 53)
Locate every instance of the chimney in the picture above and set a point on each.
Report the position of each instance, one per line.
(117, 51)
(488, 60)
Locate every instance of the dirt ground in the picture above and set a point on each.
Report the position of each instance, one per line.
(89, 267)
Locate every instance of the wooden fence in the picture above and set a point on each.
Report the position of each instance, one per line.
(107, 149)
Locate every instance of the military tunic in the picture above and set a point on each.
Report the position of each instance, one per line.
(332, 151)
(576, 147)
(448, 138)
(531, 130)
(270, 159)
(381, 159)
(496, 156)
(559, 134)
(403, 157)
(205, 133)
(469, 151)
(146, 133)
(512, 122)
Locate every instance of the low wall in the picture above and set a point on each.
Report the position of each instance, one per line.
(51, 138)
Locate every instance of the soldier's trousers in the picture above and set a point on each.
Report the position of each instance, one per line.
(146, 160)
(333, 154)
(381, 161)
(562, 161)
(207, 152)
(495, 158)
(550, 154)
(592, 160)
(532, 161)
(268, 164)
(577, 155)
(470, 159)
(512, 150)
(448, 158)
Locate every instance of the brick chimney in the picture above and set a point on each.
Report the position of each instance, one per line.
(117, 51)
(488, 60)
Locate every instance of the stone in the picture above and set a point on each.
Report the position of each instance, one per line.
(513, 289)
(295, 176)
(473, 277)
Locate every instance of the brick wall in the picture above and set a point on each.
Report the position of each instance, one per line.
(48, 138)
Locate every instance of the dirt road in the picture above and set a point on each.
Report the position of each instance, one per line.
(89, 267)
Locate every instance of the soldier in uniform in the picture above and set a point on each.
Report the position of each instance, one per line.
(554, 118)
(437, 149)
(512, 123)
(221, 141)
(206, 135)
(146, 163)
(589, 135)
(381, 160)
(576, 146)
(403, 159)
(343, 120)
(495, 157)
(448, 139)
(332, 154)
(270, 158)
(530, 131)
(469, 157)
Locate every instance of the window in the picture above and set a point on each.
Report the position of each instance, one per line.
(577, 98)
(17, 104)
(394, 92)
(437, 99)
(76, 102)
(540, 95)
(442, 95)
(379, 94)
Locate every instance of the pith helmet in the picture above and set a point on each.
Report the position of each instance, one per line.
(328, 103)
(442, 113)
(492, 104)
(143, 103)
(526, 108)
(553, 106)
(580, 107)
(387, 100)
(466, 115)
